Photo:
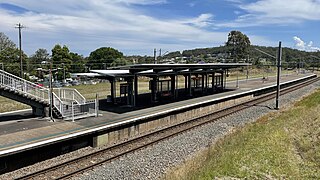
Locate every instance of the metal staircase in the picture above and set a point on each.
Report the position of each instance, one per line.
(67, 103)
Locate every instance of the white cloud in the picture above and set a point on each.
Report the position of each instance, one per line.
(301, 9)
(203, 20)
(284, 12)
(87, 25)
(142, 2)
(301, 45)
(192, 4)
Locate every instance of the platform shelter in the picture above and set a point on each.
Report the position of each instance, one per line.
(163, 79)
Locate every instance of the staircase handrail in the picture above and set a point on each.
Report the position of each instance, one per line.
(57, 103)
(21, 85)
(70, 94)
(31, 90)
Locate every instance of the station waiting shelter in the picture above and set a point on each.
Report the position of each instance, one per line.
(199, 79)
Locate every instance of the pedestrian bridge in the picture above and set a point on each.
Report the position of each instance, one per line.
(61, 103)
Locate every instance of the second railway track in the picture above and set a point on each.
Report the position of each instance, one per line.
(81, 164)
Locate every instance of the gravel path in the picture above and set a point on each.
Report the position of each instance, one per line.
(153, 162)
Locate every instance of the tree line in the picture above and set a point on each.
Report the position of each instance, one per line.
(237, 49)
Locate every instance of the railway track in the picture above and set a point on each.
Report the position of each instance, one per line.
(84, 163)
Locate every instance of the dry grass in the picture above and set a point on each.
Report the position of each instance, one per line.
(283, 145)
(10, 105)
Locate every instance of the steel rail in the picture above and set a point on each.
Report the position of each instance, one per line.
(161, 135)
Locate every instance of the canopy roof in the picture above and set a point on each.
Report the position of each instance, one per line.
(165, 69)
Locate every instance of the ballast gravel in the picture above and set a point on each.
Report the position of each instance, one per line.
(153, 162)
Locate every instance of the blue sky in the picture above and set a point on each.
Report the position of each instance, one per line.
(136, 27)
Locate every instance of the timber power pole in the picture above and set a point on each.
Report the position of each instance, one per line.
(278, 75)
(20, 26)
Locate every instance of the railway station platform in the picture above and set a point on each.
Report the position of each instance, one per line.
(23, 134)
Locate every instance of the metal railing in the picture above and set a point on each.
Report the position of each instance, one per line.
(69, 94)
(57, 103)
(15, 83)
(77, 111)
(69, 102)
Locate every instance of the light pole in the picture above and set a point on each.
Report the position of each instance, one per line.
(51, 93)
(64, 72)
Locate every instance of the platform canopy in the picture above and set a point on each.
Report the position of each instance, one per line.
(166, 69)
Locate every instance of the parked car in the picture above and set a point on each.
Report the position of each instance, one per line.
(56, 84)
(75, 83)
(65, 84)
(39, 84)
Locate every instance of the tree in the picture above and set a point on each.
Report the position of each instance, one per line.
(40, 56)
(38, 60)
(240, 45)
(9, 55)
(61, 54)
(78, 63)
(103, 55)
(120, 62)
(5, 42)
(61, 58)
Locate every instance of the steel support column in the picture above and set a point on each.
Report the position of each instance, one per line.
(202, 83)
(185, 83)
(213, 85)
(130, 91)
(189, 85)
(154, 89)
(221, 78)
(113, 90)
(206, 87)
(225, 79)
(135, 97)
(173, 85)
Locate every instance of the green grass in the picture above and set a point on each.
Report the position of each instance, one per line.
(283, 145)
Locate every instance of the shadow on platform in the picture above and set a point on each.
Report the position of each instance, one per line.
(15, 116)
(145, 101)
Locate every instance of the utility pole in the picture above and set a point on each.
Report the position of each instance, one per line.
(160, 56)
(247, 75)
(278, 75)
(155, 55)
(64, 73)
(20, 26)
(51, 93)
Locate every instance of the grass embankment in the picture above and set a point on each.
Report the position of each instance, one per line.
(10, 105)
(282, 145)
